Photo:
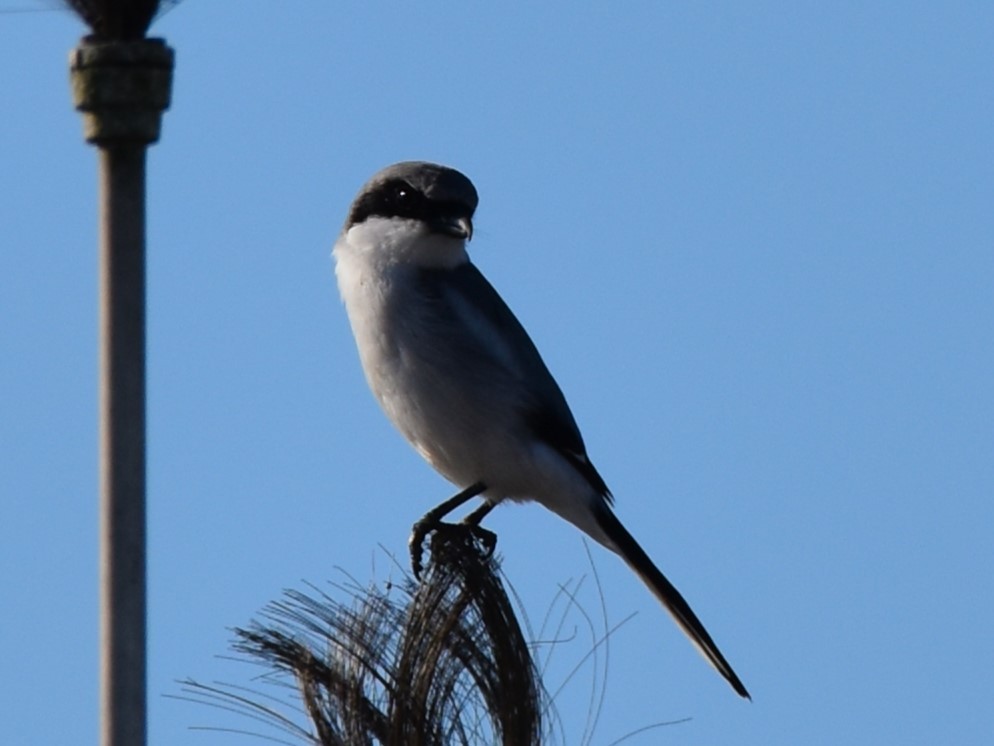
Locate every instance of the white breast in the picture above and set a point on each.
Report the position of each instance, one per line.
(375, 264)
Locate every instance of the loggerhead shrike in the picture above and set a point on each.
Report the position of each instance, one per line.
(458, 375)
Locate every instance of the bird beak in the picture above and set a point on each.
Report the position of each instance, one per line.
(457, 226)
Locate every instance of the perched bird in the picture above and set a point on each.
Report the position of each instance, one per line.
(458, 375)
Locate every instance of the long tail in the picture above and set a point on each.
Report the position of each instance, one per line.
(670, 597)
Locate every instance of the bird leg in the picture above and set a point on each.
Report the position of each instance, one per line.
(433, 519)
(474, 518)
(487, 538)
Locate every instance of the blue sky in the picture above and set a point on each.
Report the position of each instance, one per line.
(754, 243)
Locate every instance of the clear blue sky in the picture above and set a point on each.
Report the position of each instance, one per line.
(754, 242)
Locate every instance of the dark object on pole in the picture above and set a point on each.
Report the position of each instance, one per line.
(447, 663)
(122, 88)
(119, 20)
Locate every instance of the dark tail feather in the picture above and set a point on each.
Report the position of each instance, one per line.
(670, 597)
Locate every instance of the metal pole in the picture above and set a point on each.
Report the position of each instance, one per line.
(122, 444)
(122, 87)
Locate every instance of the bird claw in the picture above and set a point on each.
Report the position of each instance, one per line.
(415, 544)
(486, 539)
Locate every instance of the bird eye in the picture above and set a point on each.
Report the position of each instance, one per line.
(400, 199)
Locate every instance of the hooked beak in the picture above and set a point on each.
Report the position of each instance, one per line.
(457, 226)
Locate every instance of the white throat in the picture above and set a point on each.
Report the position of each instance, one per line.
(384, 242)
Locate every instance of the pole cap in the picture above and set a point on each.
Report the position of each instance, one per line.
(121, 88)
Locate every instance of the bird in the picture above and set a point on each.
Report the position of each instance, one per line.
(458, 375)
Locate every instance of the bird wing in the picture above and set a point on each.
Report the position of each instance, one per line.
(464, 293)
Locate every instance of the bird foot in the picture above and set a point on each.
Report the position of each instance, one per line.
(421, 529)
